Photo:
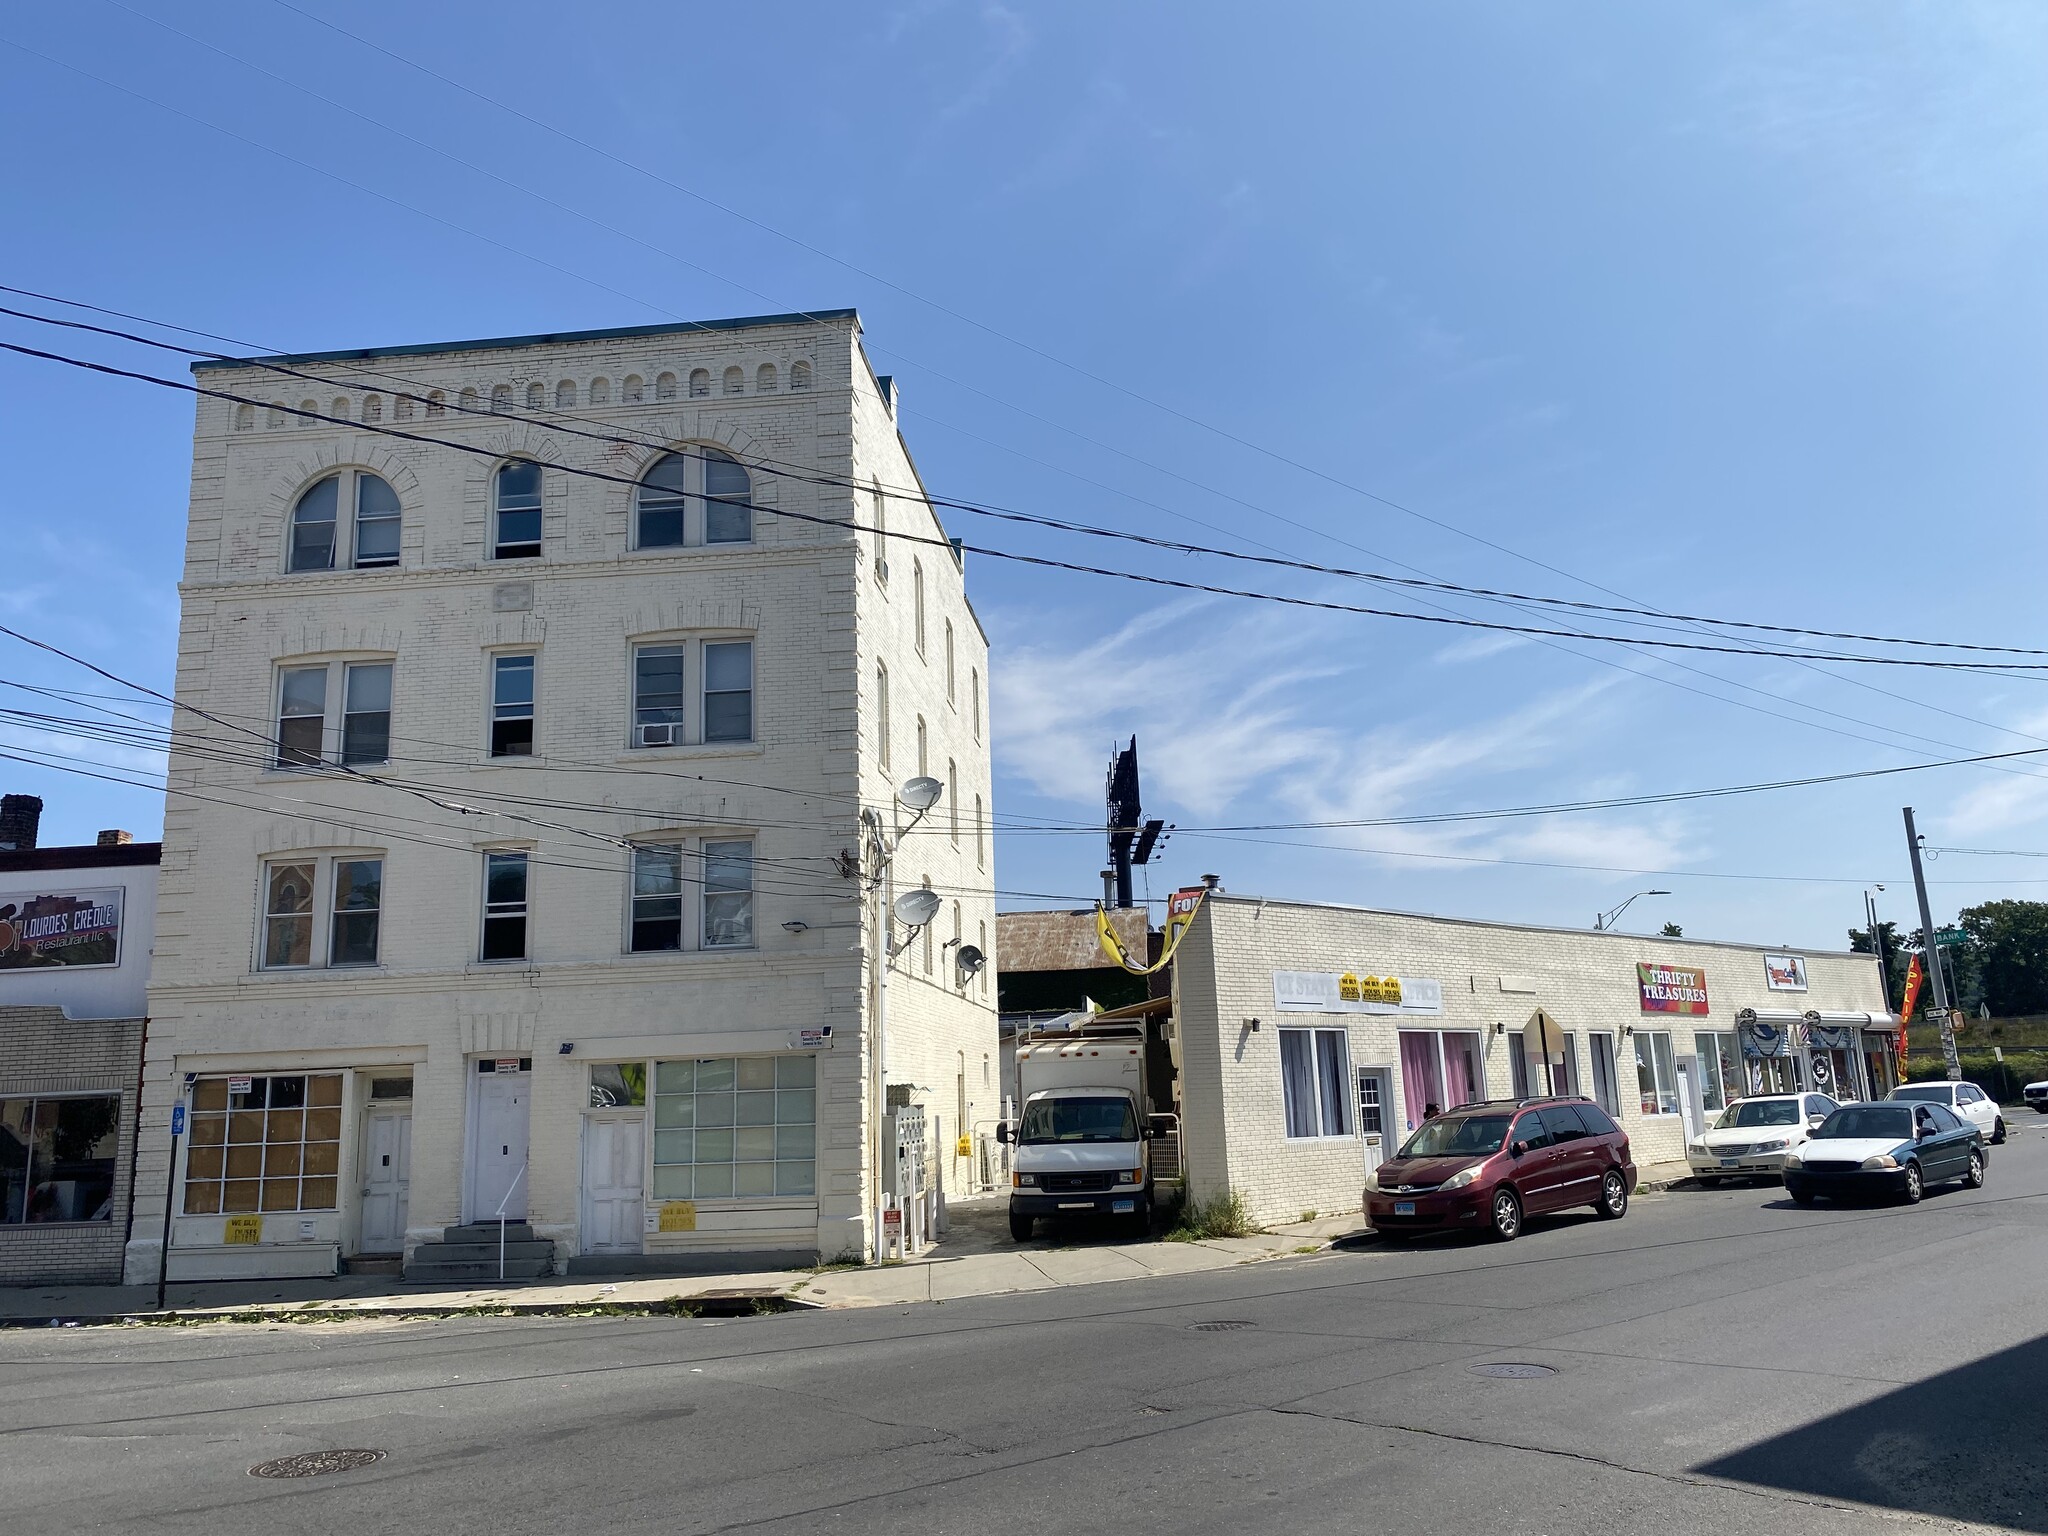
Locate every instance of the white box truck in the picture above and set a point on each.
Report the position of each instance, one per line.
(1081, 1131)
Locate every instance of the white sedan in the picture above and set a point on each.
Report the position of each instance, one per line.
(1967, 1100)
(1753, 1135)
(2037, 1097)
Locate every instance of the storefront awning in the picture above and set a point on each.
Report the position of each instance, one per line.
(1831, 1016)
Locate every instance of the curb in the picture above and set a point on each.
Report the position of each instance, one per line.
(719, 1305)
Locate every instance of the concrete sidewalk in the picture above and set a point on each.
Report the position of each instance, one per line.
(975, 1258)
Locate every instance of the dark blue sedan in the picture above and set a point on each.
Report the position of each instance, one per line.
(1886, 1149)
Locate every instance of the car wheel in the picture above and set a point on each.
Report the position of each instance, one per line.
(1020, 1228)
(1998, 1132)
(1974, 1176)
(1710, 1181)
(1141, 1224)
(1507, 1215)
(1613, 1203)
(1801, 1197)
(1913, 1189)
(2041, 1109)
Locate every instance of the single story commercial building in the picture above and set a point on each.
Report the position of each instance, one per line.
(1310, 1039)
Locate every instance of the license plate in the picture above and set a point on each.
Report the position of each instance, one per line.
(1404, 1207)
(1119, 1207)
(1730, 1162)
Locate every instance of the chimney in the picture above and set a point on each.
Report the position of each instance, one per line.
(1213, 882)
(114, 837)
(887, 384)
(20, 815)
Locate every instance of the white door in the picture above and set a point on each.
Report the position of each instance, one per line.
(1689, 1097)
(497, 1149)
(1375, 1096)
(387, 1179)
(613, 1206)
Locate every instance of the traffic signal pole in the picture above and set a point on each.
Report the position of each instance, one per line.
(1936, 980)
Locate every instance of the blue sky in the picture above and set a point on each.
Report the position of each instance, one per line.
(1733, 310)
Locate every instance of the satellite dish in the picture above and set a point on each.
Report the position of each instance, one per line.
(970, 960)
(918, 906)
(921, 793)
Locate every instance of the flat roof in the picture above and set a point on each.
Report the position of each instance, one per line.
(80, 856)
(1483, 922)
(550, 338)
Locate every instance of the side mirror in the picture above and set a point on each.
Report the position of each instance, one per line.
(1003, 1132)
(1815, 1122)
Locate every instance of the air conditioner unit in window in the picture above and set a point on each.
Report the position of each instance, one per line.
(657, 735)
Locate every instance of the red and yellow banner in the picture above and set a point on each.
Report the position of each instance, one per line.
(1180, 916)
(1914, 977)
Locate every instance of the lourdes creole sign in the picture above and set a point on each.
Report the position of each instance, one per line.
(68, 928)
(1671, 989)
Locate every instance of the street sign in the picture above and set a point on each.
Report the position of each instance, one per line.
(1937, 1015)
(1951, 936)
(1542, 1037)
(177, 1119)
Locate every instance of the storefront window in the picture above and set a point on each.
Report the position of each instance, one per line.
(1315, 1076)
(1720, 1070)
(618, 1084)
(1656, 1076)
(1774, 1074)
(57, 1159)
(735, 1128)
(1439, 1071)
(264, 1144)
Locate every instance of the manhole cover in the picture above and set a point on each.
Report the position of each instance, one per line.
(1514, 1370)
(315, 1463)
(1222, 1325)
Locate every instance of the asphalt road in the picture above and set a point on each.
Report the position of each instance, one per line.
(1724, 1362)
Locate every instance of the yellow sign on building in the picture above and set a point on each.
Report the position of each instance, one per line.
(243, 1229)
(678, 1216)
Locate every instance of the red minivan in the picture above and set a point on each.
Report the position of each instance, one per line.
(1487, 1167)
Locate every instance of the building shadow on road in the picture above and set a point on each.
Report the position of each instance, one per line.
(1962, 1445)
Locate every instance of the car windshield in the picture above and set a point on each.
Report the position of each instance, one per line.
(1055, 1120)
(1458, 1136)
(1760, 1112)
(1867, 1122)
(1928, 1095)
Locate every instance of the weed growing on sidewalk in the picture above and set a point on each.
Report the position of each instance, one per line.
(1224, 1216)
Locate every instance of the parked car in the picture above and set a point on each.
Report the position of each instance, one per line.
(1753, 1135)
(1486, 1167)
(2037, 1097)
(1964, 1099)
(1890, 1148)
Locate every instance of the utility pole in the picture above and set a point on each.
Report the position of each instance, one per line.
(1935, 977)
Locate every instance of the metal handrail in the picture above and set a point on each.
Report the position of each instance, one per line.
(510, 1190)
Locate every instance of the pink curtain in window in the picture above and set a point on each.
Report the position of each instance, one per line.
(1421, 1083)
(1461, 1069)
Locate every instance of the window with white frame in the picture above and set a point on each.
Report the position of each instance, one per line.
(881, 505)
(987, 964)
(57, 1158)
(515, 511)
(917, 604)
(882, 713)
(1315, 1082)
(1656, 1076)
(949, 661)
(735, 1128)
(693, 691)
(718, 872)
(702, 496)
(333, 711)
(974, 686)
(368, 505)
(953, 801)
(512, 705)
(924, 759)
(268, 1142)
(1720, 1068)
(322, 910)
(505, 904)
(980, 836)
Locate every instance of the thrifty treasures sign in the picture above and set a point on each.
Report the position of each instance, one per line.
(67, 928)
(1667, 989)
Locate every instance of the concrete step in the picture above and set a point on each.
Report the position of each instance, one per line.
(487, 1232)
(429, 1268)
(478, 1252)
(372, 1264)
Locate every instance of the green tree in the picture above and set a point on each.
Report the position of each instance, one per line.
(2005, 962)
(1897, 954)
(1672, 931)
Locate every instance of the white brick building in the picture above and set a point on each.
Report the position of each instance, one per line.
(1300, 1065)
(74, 971)
(540, 874)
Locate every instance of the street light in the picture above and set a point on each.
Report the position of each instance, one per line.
(1605, 920)
(914, 909)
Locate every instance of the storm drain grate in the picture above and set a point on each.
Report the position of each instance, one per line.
(315, 1463)
(1221, 1325)
(1514, 1370)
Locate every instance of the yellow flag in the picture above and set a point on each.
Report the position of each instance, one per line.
(1180, 916)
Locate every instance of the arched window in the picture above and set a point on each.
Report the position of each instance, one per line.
(339, 410)
(917, 604)
(565, 395)
(373, 408)
(501, 397)
(764, 379)
(953, 801)
(316, 522)
(632, 391)
(600, 391)
(981, 929)
(700, 383)
(974, 687)
(437, 404)
(882, 714)
(467, 400)
(536, 396)
(735, 381)
(924, 761)
(309, 408)
(980, 837)
(701, 496)
(949, 661)
(515, 511)
(401, 408)
(665, 387)
(799, 376)
(245, 418)
(274, 418)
